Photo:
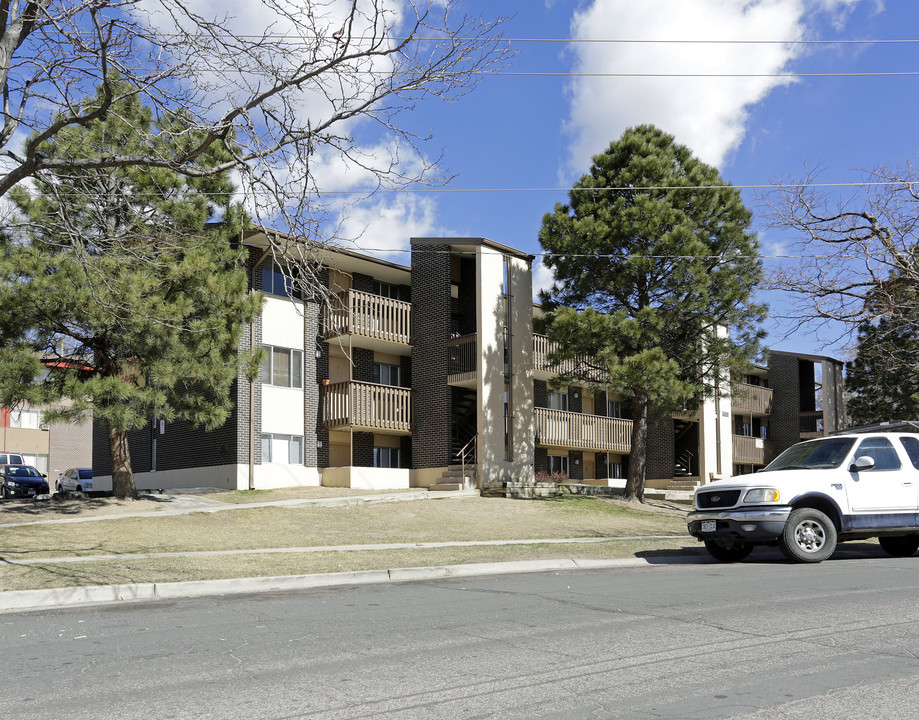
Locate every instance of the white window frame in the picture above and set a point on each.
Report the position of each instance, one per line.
(387, 454)
(558, 400)
(272, 444)
(294, 367)
(558, 464)
(388, 369)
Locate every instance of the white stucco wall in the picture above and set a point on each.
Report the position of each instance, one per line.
(282, 410)
(282, 323)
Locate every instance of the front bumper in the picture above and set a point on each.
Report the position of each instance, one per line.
(754, 525)
(26, 491)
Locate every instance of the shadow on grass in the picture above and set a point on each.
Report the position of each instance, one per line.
(58, 505)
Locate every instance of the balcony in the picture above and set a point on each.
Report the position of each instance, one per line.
(369, 320)
(367, 407)
(811, 424)
(578, 431)
(751, 450)
(544, 370)
(751, 398)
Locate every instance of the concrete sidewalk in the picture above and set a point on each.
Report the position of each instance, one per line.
(183, 504)
(16, 600)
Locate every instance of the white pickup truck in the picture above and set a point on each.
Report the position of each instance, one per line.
(814, 495)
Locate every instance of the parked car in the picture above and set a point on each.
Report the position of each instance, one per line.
(75, 479)
(11, 459)
(22, 481)
(815, 494)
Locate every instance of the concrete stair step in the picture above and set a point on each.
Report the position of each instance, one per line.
(446, 486)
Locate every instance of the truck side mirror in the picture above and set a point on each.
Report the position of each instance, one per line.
(863, 462)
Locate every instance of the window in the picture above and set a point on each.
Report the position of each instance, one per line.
(30, 419)
(386, 457)
(558, 400)
(883, 453)
(386, 374)
(615, 470)
(386, 289)
(558, 464)
(275, 282)
(282, 449)
(613, 408)
(912, 449)
(282, 367)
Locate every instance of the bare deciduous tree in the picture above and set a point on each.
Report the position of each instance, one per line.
(293, 89)
(858, 257)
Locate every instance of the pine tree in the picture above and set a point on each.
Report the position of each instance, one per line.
(883, 387)
(654, 269)
(128, 280)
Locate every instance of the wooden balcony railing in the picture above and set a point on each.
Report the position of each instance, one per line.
(752, 398)
(367, 406)
(754, 451)
(579, 431)
(541, 349)
(368, 315)
(462, 355)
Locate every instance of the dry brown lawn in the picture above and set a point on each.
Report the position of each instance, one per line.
(448, 520)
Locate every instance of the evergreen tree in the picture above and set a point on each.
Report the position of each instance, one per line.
(883, 378)
(654, 268)
(122, 278)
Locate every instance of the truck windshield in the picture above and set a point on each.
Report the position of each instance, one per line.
(814, 455)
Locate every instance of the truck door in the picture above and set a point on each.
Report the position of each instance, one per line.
(888, 487)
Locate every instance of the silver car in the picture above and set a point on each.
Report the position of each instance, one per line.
(75, 480)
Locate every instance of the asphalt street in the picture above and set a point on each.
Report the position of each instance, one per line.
(761, 639)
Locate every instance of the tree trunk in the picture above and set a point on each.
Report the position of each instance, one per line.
(122, 474)
(638, 456)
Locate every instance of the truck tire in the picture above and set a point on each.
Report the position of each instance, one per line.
(809, 536)
(728, 550)
(899, 545)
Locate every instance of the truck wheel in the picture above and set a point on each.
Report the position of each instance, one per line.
(728, 550)
(899, 545)
(809, 536)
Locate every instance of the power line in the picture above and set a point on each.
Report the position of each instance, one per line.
(906, 73)
(451, 190)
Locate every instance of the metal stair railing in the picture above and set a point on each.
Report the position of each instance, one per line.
(470, 447)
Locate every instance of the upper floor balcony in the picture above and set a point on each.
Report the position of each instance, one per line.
(811, 424)
(579, 431)
(752, 450)
(751, 398)
(368, 320)
(367, 407)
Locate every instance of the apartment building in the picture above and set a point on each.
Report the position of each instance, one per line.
(413, 370)
(52, 448)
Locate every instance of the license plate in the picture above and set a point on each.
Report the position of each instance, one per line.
(707, 526)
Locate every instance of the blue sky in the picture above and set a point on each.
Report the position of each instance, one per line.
(515, 134)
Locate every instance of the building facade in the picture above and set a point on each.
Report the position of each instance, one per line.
(400, 376)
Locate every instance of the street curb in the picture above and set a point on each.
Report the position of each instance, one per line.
(115, 594)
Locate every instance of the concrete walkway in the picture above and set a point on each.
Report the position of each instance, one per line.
(185, 503)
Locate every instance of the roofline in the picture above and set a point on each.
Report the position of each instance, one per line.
(807, 356)
(473, 241)
(324, 247)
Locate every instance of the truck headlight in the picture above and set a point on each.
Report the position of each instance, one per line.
(760, 495)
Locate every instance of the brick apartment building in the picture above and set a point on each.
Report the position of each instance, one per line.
(415, 366)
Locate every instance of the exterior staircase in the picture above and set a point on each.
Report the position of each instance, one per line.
(453, 479)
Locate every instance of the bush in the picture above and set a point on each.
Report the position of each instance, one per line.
(557, 477)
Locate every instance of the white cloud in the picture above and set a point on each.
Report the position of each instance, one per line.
(543, 278)
(384, 226)
(708, 114)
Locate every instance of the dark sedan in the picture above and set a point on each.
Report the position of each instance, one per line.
(22, 481)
